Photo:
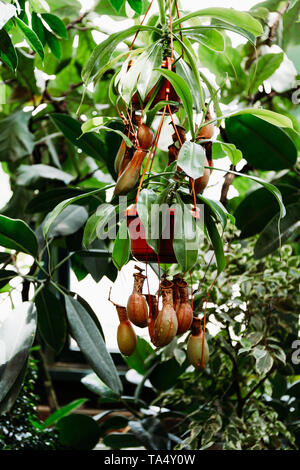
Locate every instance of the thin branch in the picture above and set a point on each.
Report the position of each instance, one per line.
(273, 29)
(77, 21)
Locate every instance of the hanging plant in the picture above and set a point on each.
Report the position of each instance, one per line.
(159, 81)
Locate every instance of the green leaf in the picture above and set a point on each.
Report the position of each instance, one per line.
(185, 241)
(69, 221)
(63, 205)
(119, 440)
(89, 143)
(56, 24)
(17, 335)
(210, 38)
(269, 239)
(46, 201)
(16, 141)
(8, 401)
(232, 152)
(54, 44)
(264, 361)
(102, 52)
(217, 209)
(263, 145)
(136, 5)
(117, 4)
(139, 360)
(7, 50)
(265, 66)
(113, 423)
(216, 242)
(234, 17)
(183, 92)
(31, 37)
(165, 374)
(96, 124)
(257, 209)
(191, 159)
(63, 411)
(270, 187)
(146, 201)
(95, 385)
(78, 432)
(32, 175)
(96, 223)
(51, 319)
(121, 250)
(148, 78)
(270, 116)
(90, 341)
(17, 235)
(38, 27)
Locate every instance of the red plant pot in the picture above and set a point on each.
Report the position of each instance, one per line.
(139, 247)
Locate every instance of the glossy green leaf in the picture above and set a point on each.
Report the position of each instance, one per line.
(270, 187)
(119, 440)
(117, 4)
(69, 221)
(97, 223)
(89, 143)
(267, 115)
(148, 78)
(263, 145)
(113, 423)
(7, 51)
(103, 51)
(78, 432)
(54, 44)
(17, 235)
(165, 374)
(234, 17)
(139, 360)
(63, 411)
(261, 70)
(17, 335)
(63, 205)
(269, 239)
(90, 341)
(121, 250)
(183, 92)
(47, 200)
(56, 25)
(32, 175)
(210, 38)
(95, 385)
(8, 401)
(136, 5)
(31, 37)
(191, 159)
(38, 27)
(51, 319)
(218, 210)
(259, 207)
(16, 141)
(96, 124)
(216, 241)
(185, 241)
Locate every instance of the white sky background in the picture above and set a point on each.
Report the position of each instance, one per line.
(97, 294)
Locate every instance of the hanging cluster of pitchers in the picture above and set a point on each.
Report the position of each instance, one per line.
(173, 319)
